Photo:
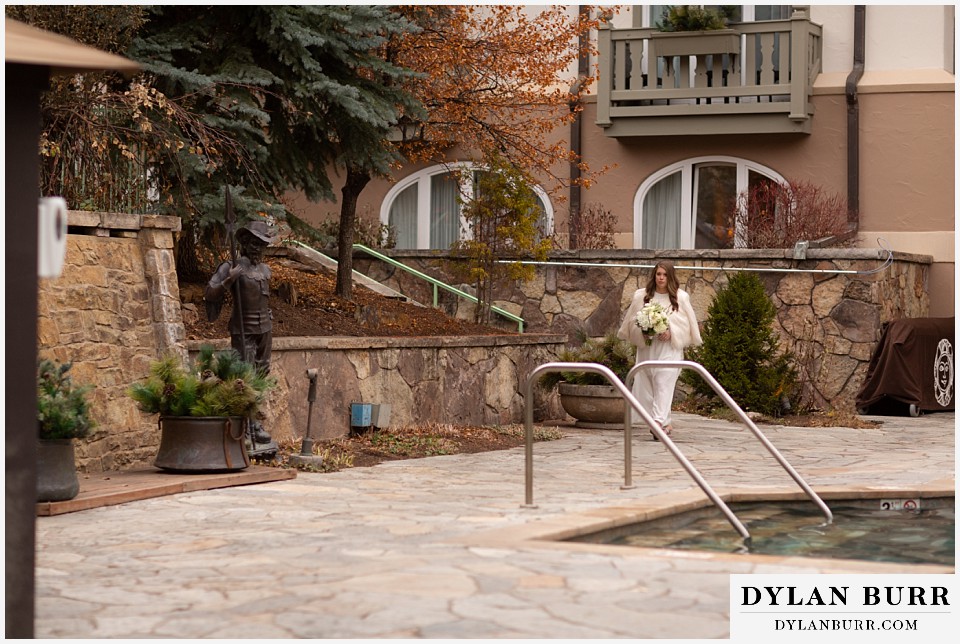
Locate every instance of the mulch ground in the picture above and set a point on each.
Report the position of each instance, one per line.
(304, 303)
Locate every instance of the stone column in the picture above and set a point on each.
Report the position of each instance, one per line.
(160, 270)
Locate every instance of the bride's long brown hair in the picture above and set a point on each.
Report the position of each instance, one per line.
(673, 284)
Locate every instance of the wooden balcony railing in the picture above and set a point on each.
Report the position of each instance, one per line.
(755, 77)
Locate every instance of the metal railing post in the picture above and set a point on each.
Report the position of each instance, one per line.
(633, 402)
(732, 404)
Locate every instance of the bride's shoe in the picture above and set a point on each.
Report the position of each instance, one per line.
(666, 430)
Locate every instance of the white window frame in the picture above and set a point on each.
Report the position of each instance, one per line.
(423, 178)
(688, 205)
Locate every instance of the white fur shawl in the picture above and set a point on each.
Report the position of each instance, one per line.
(684, 331)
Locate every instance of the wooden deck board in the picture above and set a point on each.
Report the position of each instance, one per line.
(111, 488)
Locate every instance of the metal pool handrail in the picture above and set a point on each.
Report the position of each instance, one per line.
(732, 404)
(593, 367)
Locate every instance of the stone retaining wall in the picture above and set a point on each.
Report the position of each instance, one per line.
(116, 308)
(830, 305)
(473, 380)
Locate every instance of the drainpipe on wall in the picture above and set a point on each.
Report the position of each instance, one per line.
(853, 119)
(576, 129)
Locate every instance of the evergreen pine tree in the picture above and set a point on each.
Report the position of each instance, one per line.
(301, 87)
(740, 348)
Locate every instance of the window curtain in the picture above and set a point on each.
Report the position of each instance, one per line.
(444, 210)
(403, 217)
(661, 214)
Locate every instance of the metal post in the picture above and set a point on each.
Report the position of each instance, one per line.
(633, 402)
(306, 447)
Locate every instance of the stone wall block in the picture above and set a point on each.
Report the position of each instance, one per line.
(826, 295)
(388, 359)
(165, 308)
(862, 351)
(837, 345)
(91, 276)
(69, 321)
(550, 280)
(462, 375)
(579, 304)
(428, 400)
(47, 333)
(565, 324)
(583, 279)
(834, 374)
(795, 288)
(857, 289)
(156, 238)
(534, 288)
(606, 316)
(533, 316)
(801, 323)
(857, 321)
(626, 295)
(702, 295)
(107, 300)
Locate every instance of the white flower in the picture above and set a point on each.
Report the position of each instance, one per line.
(652, 320)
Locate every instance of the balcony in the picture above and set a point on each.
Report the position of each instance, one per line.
(754, 78)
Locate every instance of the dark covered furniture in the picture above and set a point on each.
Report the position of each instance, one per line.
(911, 370)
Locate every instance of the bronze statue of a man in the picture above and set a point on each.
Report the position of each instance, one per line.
(251, 322)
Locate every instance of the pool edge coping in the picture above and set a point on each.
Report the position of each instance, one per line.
(550, 532)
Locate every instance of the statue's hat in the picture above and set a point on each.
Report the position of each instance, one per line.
(260, 230)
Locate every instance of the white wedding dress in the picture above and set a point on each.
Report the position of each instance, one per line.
(654, 387)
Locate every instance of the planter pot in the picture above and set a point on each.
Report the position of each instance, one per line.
(695, 43)
(56, 470)
(593, 406)
(202, 444)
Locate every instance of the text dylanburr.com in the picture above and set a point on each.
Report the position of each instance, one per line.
(844, 608)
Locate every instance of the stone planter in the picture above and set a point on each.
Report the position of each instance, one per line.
(593, 406)
(56, 470)
(202, 444)
(695, 43)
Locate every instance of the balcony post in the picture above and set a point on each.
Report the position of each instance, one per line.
(799, 60)
(605, 82)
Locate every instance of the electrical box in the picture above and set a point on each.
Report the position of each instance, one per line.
(361, 415)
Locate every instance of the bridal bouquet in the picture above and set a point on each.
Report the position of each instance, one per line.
(652, 320)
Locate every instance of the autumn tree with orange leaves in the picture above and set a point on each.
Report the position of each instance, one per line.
(496, 82)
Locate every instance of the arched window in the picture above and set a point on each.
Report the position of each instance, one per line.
(424, 208)
(692, 204)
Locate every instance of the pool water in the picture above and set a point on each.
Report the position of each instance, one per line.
(860, 530)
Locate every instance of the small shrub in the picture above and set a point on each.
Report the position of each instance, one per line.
(779, 215)
(218, 383)
(610, 351)
(596, 227)
(686, 17)
(740, 349)
(63, 410)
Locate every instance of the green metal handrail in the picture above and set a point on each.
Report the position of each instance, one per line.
(435, 282)
(438, 284)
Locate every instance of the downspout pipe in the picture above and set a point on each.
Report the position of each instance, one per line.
(853, 118)
(576, 131)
